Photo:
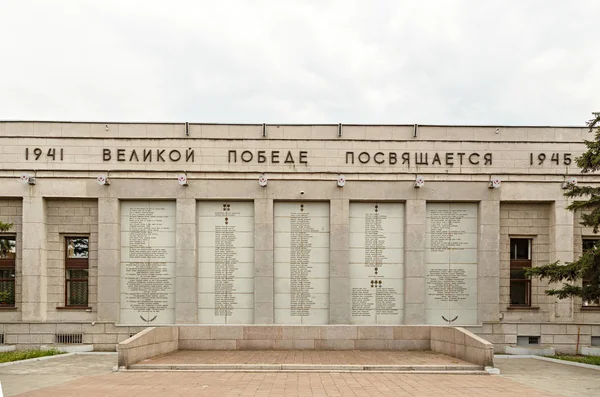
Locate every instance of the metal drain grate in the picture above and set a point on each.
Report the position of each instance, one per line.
(68, 339)
(534, 340)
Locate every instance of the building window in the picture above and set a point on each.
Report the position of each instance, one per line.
(76, 271)
(520, 259)
(8, 256)
(587, 244)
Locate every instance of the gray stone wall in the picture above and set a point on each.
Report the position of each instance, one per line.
(70, 218)
(527, 220)
(67, 200)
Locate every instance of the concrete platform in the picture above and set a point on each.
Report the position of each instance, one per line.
(308, 361)
(90, 375)
(451, 341)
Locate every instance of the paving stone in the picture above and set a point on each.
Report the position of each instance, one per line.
(91, 376)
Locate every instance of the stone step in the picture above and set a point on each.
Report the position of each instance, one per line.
(420, 369)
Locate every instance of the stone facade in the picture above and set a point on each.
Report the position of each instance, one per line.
(222, 163)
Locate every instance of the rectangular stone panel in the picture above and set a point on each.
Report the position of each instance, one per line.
(301, 260)
(376, 263)
(225, 262)
(147, 262)
(451, 264)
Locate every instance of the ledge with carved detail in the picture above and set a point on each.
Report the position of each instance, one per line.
(590, 308)
(86, 308)
(522, 308)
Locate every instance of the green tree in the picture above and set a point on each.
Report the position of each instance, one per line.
(587, 267)
(5, 227)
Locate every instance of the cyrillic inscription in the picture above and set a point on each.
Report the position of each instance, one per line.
(147, 262)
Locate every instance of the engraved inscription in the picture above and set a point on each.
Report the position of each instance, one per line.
(301, 299)
(301, 263)
(147, 268)
(226, 259)
(376, 275)
(447, 285)
(451, 260)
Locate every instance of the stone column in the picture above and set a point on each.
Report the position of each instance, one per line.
(561, 249)
(263, 262)
(488, 269)
(339, 256)
(414, 261)
(109, 259)
(34, 290)
(186, 270)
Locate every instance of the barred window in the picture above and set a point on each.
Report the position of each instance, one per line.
(8, 255)
(587, 244)
(520, 259)
(76, 271)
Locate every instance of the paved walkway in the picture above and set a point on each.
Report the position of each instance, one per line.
(30, 375)
(87, 375)
(566, 380)
(123, 384)
(320, 357)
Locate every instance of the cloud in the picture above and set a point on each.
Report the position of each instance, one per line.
(446, 62)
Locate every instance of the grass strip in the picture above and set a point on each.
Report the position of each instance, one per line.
(17, 355)
(593, 360)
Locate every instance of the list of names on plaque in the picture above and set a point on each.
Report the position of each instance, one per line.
(147, 262)
(376, 263)
(451, 264)
(301, 259)
(225, 262)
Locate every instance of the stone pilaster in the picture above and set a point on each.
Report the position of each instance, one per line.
(109, 259)
(414, 261)
(339, 278)
(561, 249)
(263, 261)
(186, 267)
(488, 269)
(35, 294)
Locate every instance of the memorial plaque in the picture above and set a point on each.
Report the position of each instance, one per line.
(376, 263)
(451, 264)
(301, 260)
(225, 262)
(147, 262)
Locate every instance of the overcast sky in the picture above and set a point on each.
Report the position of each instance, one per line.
(316, 61)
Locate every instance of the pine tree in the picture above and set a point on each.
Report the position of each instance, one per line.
(587, 267)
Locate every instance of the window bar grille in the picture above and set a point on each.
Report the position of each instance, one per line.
(68, 339)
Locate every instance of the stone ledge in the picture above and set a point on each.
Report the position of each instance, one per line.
(150, 342)
(311, 368)
(530, 351)
(590, 350)
(453, 341)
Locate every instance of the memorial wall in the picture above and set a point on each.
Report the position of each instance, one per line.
(147, 262)
(225, 262)
(204, 224)
(301, 262)
(451, 264)
(376, 263)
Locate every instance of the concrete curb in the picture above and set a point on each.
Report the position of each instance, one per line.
(364, 368)
(474, 372)
(549, 359)
(303, 367)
